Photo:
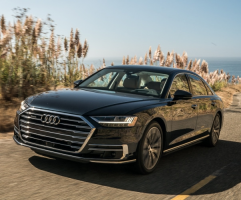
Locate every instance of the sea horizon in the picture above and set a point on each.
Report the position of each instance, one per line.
(231, 65)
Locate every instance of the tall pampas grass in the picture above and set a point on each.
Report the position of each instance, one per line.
(135, 60)
(179, 62)
(215, 79)
(184, 59)
(127, 60)
(31, 63)
(76, 37)
(59, 47)
(123, 60)
(140, 62)
(7, 36)
(204, 67)
(65, 44)
(161, 59)
(169, 58)
(38, 28)
(52, 43)
(145, 59)
(3, 25)
(85, 48)
(79, 50)
(150, 52)
(189, 66)
(155, 56)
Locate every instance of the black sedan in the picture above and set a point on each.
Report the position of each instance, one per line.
(122, 114)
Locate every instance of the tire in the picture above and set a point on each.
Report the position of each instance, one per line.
(149, 149)
(212, 140)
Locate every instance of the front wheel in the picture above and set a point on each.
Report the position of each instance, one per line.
(150, 149)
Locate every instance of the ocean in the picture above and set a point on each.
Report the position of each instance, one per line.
(229, 65)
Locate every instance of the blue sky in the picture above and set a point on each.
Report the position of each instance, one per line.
(117, 28)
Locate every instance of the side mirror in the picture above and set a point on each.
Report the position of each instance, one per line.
(181, 94)
(77, 82)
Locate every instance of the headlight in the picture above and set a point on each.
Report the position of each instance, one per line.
(23, 106)
(116, 121)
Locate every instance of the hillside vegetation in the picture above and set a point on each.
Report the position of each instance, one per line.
(34, 59)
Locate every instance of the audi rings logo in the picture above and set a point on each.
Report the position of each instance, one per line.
(50, 119)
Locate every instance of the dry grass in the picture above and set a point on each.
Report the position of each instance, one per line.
(8, 110)
(8, 135)
(227, 93)
(30, 59)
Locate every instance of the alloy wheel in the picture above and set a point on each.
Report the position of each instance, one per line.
(216, 129)
(152, 148)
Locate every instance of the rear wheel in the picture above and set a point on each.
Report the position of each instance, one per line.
(215, 132)
(150, 149)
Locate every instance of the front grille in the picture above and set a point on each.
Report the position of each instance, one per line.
(68, 135)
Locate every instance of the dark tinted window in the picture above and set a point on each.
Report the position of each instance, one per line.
(208, 89)
(197, 86)
(179, 83)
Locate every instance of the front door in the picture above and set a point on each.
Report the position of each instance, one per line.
(184, 113)
(205, 107)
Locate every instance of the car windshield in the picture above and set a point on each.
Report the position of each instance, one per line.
(127, 81)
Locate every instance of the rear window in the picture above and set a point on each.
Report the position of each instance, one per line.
(198, 88)
(179, 83)
(208, 89)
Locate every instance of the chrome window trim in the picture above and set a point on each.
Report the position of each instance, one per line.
(187, 136)
(187, 73)
(61, 113)
(185, 144)
(164, 86)
(209, 87)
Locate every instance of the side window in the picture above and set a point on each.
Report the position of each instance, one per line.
(197, 86)
(122, 81)
(179, 83)
(208, 89)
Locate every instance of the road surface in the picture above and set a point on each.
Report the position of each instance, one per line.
(26, 175)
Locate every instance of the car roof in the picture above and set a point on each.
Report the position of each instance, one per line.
(166, 70)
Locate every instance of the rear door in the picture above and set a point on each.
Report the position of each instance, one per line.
(184, 113)
(205, 108)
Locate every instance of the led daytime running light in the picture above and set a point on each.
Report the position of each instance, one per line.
(116, 121)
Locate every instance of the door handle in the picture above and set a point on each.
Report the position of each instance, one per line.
(194, 106)
(213, 103)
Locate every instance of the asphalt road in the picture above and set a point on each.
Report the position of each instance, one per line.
(25, 175)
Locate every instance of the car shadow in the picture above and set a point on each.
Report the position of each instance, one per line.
(175, 173)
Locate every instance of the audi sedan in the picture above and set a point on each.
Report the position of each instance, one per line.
(122, 114)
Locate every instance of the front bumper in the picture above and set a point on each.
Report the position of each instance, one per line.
(98, 144)
(71, 157)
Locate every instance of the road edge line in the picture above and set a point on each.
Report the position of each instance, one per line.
(194, 188)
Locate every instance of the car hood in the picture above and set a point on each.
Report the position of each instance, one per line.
(82, 101)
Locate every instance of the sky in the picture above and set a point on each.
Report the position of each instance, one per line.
(202, 28)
